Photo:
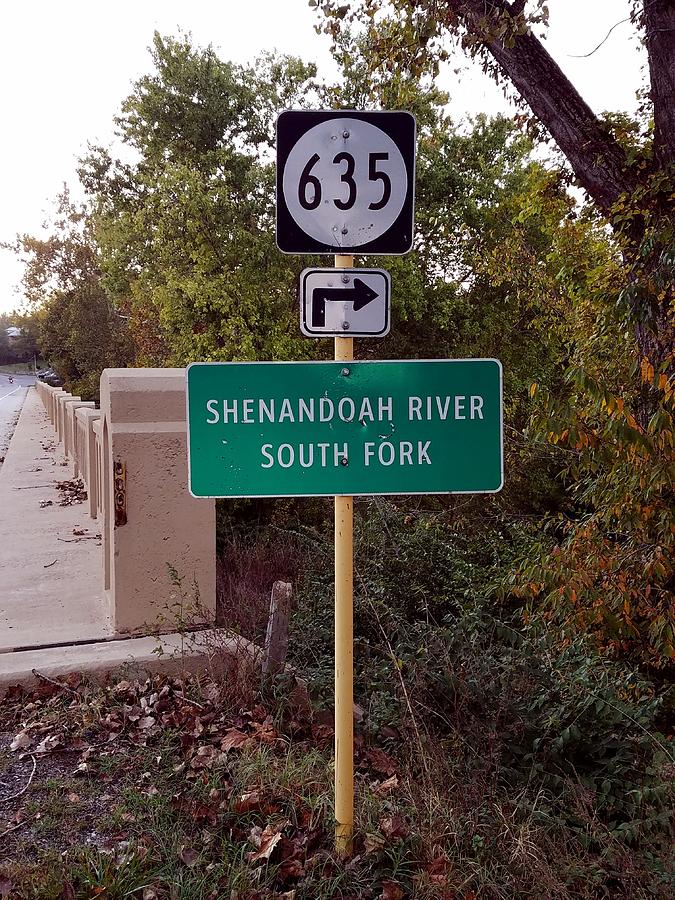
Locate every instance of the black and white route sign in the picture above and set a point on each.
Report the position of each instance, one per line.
(344, 302)
(345, 182)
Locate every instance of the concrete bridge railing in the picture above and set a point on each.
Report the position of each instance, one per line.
(158, 561)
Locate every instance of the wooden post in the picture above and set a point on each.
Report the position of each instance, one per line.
(344, 641)
(276, 640)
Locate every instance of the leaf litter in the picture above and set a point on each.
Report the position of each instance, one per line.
(194, 757)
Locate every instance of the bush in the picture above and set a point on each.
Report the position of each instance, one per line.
(438, 660)
(536, 765)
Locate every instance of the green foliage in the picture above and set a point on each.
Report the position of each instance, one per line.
(605, 567)
(598, 328)
(186, 233)
(78, 329)
(21, 348)
(431, 652)
(5, 354)
(196, 788)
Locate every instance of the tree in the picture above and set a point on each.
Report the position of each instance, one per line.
(186, 233)
(25, 346)
(5, 357)
(606, 566)
(78, 329)
(631, 184)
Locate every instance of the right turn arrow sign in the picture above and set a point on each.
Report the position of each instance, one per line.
(360, 295)
(344, 302)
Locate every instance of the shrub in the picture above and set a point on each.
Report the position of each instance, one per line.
(438, 659)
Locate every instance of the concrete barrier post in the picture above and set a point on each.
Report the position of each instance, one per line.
(57, 423)
(53, 405)
(59, 392)
(150, 520)
(61, 401)
(98, 462)
(70, 443)
(86, 440)
(65, 404)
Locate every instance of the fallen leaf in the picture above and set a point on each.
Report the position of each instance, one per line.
(386, 786)
(122, 687)
(247, 802)
(393, 827)
(391, 891)
(265, 841)
(380, 762)
(373, 843)
(189, 856)
(266, 733)
(198, 729)
(146, 722)
(291, 868)
(193, 808)
(51, 742)
(233, 739)
(203, 757)
(388, 732)
(21, 741)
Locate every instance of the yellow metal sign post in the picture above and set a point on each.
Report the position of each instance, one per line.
(344, 641)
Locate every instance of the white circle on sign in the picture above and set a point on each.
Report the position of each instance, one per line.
(345, 182)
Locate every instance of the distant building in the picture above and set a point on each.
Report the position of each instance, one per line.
(13, 333)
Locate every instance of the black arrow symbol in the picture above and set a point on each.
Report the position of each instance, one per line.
(360, 295)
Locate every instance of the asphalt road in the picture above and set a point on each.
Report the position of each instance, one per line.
(11, 401)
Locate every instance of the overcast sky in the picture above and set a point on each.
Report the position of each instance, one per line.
(65, 68)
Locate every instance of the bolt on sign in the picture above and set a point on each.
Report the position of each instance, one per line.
(311, 429)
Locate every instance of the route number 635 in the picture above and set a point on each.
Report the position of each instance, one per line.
(347, 177)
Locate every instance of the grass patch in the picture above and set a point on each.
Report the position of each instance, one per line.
(163, 789)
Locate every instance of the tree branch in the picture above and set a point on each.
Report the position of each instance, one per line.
(597, 159)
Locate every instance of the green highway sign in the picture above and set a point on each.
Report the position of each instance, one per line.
(311, 429)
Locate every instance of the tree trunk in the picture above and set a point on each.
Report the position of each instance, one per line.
(597, 159)
(659, 25)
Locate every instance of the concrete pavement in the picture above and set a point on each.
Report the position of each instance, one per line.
(53, 615)
(51, 589)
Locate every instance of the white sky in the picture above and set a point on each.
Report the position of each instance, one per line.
(66, 66)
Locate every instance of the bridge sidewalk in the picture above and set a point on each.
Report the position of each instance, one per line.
(51, 590)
